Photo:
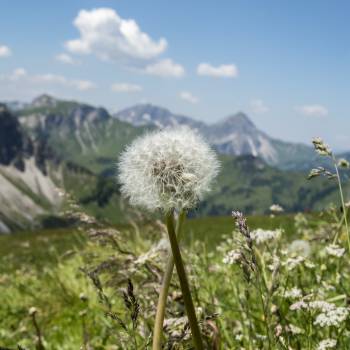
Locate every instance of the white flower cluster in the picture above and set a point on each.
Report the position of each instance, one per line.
(295, 329)
(167, 169)
(330, 315)
(300, 247)
(292, 263)
(262, 236)
(276, 208)
(293, 293)
(335, 250)
(327, 344)
(232, 257)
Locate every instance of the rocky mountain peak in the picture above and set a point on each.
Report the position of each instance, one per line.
(238, 120)
(44, 101)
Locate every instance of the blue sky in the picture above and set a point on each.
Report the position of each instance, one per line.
(285, 63)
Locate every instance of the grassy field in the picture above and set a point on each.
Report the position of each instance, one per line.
(68, 288)
(45, 246)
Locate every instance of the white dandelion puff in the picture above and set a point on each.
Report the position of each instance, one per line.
(167, 169)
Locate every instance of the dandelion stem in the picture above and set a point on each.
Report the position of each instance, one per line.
(186, 294)
(158, 325)
(342, 202)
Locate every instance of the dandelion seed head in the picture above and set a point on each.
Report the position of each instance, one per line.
(167, 169)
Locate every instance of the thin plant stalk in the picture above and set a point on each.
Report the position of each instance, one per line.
(164, 291)
(342, 202)
(185, 289)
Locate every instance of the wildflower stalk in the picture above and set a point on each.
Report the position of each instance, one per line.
(342, 203)
(160, 313)
(186, 294)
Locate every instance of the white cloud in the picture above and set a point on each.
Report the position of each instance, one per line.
(20, 75)
(258, 106)
(188, 97)
(104, 33)
(222, 71)
(5, 51)
(314, 110)
(165, 68)
(83, 85)
(66, 59)
(125, 87)
(17, 74)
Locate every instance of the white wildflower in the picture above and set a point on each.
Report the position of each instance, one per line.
(262, 236)
(332, 317)
(32, 311)
(295, 329)
(298, 305)
(275, 263)
(300, 247)
(335, 250)
(322, 305)
(239, 337)
(292, 263)
(232, 257)
(293, 293)
(167, 169)
(276, 208)
(327, 344)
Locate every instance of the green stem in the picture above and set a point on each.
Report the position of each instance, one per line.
(186, 294)
(158, 325)
(342, 201)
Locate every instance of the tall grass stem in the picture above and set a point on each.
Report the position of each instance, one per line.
(164, 291)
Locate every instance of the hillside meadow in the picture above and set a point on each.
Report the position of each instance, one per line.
(71, 288)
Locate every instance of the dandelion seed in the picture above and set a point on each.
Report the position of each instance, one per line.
(327, 344)
(168, 169)
(335, 250)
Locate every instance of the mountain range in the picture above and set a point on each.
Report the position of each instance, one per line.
(234, 135)
(50, 145)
